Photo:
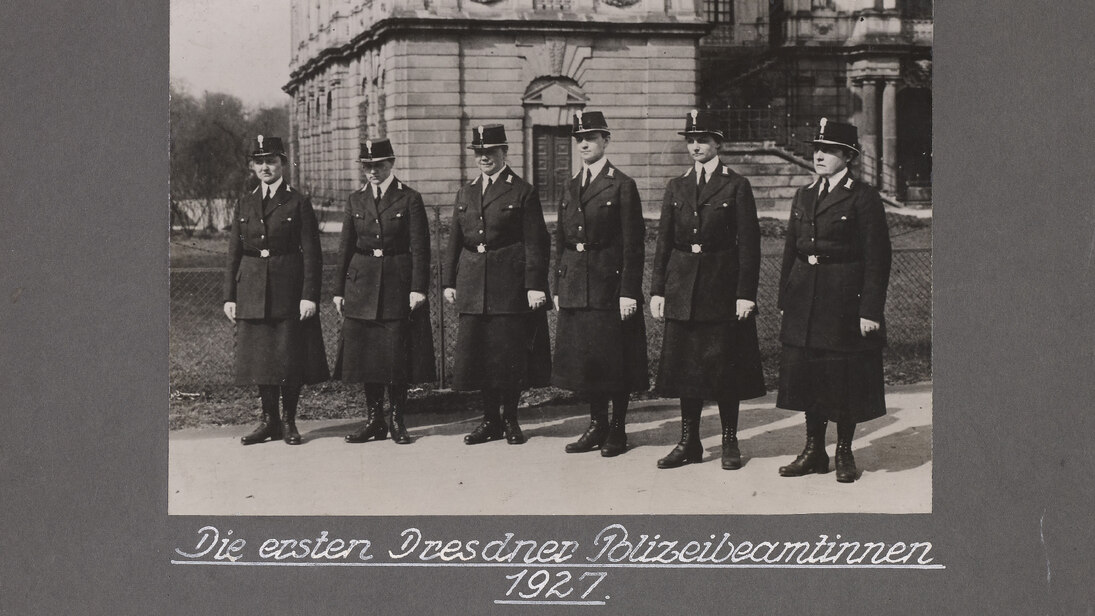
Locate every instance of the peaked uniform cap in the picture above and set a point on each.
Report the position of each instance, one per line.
(267, 146)
(837, 133)
(376, 150)
(702, 123)
(486, 136)
(589, 122)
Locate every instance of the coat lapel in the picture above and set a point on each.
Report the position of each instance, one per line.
(715, 183)
(837, 194)
(279, 199)
(500, 189)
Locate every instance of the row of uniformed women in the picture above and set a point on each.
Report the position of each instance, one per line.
(704, 284)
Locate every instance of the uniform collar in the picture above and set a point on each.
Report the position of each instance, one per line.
(595, 168)
(834, 180)
(494, 178)
(273, 188)
(711, 166)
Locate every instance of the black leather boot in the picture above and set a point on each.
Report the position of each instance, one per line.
(813, 458)
(290, 396)
(846, 471)
(270, 427)
(594, 436)
(374, 427)
(512, 430)
(731, 454)
(397, 397)
(490, 429)
(616, 441)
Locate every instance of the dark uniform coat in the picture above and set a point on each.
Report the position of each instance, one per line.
(827, 366)
(275, 261)
(708, 257)
(384, 255)
(498, 250)
(822, 303)
(594, 349)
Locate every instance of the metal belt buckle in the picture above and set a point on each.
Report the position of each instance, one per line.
(696, 248)
(812, 260)
(580, 247)
(378, 252)
(264, 253)
(481, 248)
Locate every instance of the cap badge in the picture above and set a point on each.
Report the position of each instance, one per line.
(578, 116)
(480, 133)
(369, 147)
(260, 142)
(821, 126)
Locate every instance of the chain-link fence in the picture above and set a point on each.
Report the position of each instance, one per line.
(202, 339)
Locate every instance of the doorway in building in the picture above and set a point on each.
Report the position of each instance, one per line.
(914, 144)
(551, 150)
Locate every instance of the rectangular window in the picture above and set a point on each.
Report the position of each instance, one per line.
(719, 11)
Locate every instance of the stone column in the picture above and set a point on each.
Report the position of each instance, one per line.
(889, 137)
(868, 137)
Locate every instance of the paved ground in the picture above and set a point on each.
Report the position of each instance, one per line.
(212, 474)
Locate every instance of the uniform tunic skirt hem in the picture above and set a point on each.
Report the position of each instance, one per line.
(710, 360)
(502, 351)
(396, 351)
(280, 352)
(842, 386)
(595, 351)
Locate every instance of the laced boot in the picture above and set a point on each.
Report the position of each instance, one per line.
(398, 399)
(290, 396)
(374, 427)
(846, 471)
(490, 429)
(270, 427)
(512, 430)
(688, 450)
(616, 442)
(813, 458)
(731, 454)
(594, 436)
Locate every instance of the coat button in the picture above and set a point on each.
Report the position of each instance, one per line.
(262, 237)
(376, 220)
(480, 231)
(579, 227)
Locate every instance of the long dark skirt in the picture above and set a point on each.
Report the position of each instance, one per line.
(841, 386)
(391, 352)
(596, 351)
(280, 352)
(502, 351)
(710, 360)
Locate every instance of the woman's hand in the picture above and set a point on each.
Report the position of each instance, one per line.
(745, 309)
(230, 311)
(416, 299)
(307, 309)
(657, 307)
(338, 302)
(628, 308)
(450, 295)
(536, 299)
(867, 326)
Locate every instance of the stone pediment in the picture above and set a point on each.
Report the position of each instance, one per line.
(554, 93)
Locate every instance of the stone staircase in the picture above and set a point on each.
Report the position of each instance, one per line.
(774, 173)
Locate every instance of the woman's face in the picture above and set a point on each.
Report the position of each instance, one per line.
(268, 169)
(830, 159)
(702, 148)
(591, 146)
(491, 160)
(377, 172)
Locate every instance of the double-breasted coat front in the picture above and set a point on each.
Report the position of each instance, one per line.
(599, 258)
(708, 257)
(498, 250)
(835, 270)
(384, 255)
(275, 261)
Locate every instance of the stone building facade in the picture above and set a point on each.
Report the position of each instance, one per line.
(424, 72)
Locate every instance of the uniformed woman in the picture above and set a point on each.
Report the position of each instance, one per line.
(836, 267)
(704, 284)
(600, 337)
(271, 289)
(496, 273)
(380, 289)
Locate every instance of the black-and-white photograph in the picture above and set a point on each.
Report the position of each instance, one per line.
(550, 257)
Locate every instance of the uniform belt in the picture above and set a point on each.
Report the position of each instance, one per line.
(488, 248)
(818, 259)
(699, 248)
(378, 252)
(584, 246)
(267, 253)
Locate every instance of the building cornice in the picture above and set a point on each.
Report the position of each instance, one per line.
(384, 29)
